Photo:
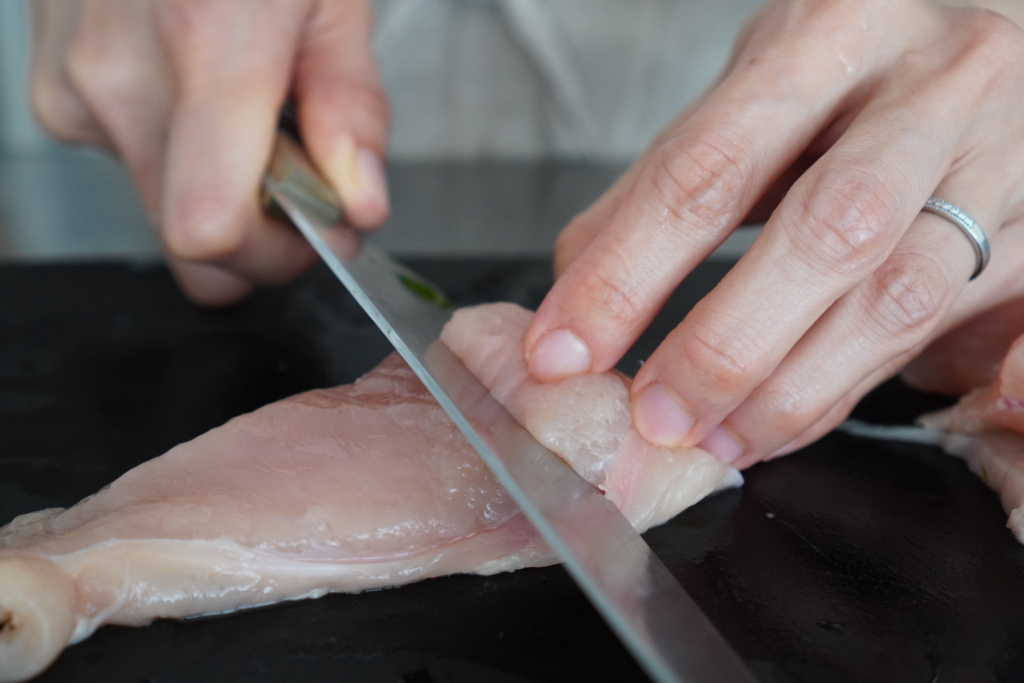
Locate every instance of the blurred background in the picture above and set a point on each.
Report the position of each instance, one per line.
(509, 117)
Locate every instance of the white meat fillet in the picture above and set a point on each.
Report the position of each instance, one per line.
(987, 430)
(345, 489)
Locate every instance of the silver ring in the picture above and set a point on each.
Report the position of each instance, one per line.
(968, 226)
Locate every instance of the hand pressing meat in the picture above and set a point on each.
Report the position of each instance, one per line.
(988, 426)
(343, 489)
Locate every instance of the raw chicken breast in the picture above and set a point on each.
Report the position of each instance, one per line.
(586, 420)
(342, 489)
(999, 405)
(987, 430)
(998, 459)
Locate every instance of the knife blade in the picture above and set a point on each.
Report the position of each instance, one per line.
(636, 594)
(904, 433)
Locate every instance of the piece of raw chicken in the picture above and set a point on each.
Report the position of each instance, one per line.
(987, 430)
(342, 489)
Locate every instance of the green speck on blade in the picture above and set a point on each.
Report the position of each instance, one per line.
(425, 291)
(984, 474)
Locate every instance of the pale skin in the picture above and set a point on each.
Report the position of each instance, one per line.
(187, 94)
(861, 111)
(834, 121)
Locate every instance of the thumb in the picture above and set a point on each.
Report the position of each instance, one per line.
(342, 109)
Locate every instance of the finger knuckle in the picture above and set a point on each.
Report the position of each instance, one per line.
(103, 78)
(849, 217)
(362, 100)
(907, 295)
(721, 361)
(616, 294)
(201, 229)
(84, 62)
(995, 40)
(847, 15)
(701, 180)
(988, 59)
(186, 24)
(56, 110)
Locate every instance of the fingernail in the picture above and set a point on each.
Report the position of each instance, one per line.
(371, 171)
(723, 444)
(660, 416)
(358, 175)
(559, 354)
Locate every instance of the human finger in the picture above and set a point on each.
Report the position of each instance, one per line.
(584, 227)
(209, 284)
(987, 316)
(902, 288)
(832, 419)
(343, 112)
(53, 97)
(836, 414)
(693, 191)
(117, 67)
(232, 63)
(836, 227)
(1001, 283)
(891, 312)
(577, 235)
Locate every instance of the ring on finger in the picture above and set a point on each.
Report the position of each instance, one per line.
(968, 226)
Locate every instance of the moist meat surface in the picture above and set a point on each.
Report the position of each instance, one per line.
(987, 431)
(342, 489)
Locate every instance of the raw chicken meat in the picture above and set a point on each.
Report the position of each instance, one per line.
(987, 430)
(343, 489)
(998, 459)
(999, 405)
(970, 355)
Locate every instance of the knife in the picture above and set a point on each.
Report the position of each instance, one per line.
(636, 594)
(904, 433)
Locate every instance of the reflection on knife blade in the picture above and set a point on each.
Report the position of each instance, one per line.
(631, 588)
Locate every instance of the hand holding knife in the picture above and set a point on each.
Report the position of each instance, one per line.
(631, 588)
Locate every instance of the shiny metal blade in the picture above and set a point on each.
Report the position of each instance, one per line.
(648, 609)
(904, 433)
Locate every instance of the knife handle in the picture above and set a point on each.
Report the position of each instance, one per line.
(291, 169)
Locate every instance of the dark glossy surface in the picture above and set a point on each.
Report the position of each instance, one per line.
(849, 561)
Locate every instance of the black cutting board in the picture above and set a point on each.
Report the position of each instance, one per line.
(849, 561)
